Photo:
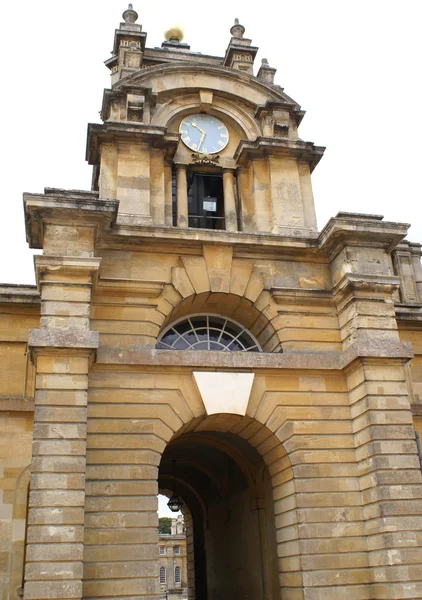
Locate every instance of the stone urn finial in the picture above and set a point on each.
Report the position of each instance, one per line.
(237, 30)
(130, 15)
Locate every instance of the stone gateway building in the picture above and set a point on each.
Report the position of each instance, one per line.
(173, 562)
(193, 333)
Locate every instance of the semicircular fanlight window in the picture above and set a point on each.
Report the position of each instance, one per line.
(207, 332)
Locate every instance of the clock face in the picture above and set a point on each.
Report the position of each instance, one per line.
(204, 133)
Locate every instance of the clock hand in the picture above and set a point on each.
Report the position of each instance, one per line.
(202, 139)
(198, 128)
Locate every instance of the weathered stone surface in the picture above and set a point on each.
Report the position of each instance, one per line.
(312, 488)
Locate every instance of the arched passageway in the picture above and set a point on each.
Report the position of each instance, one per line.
(227, 488)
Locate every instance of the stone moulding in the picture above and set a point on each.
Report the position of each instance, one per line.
(133, 287)
(360, 230)
(380, 350)
(63, 338)
(264, 146)
(58, 206)
(282, 295)
(68, 265)
(351, 282)
(154, 135)
(19, 294)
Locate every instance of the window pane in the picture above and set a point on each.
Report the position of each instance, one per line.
(203, 332)
(162, 575)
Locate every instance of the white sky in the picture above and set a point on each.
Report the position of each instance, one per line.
(355, 67)
(163, 509)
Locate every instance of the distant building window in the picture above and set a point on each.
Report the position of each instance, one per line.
(177, 549)
(162, 550)
(162, 575)
(177, 577)
(207, 332)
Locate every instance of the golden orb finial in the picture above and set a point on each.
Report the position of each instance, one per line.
(174, 34)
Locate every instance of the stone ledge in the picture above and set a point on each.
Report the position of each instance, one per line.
(351, 282)
(409, 313)
(381, 349)
(16, 404)
(252, 361)
(416, 410)
(130, 287)
(19, 294)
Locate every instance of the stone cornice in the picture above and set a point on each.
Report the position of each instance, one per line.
(409, 315)
(16, 403)
(113, 131)
(67, 265)
(159, 71)
(66, 339)
(375, 351)
(271, 105)
(294, 295)
(19, 294)
(349, 229)
(268, 146)
(369, 284)
(138, 288)
(65, 206)
(298, 244)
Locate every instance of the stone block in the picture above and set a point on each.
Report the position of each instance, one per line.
(55, 534)
(54, 552)
(56, 516)
(49, 571)
(41, 590)
(56, 498)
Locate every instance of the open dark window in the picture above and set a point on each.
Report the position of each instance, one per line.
(205, 200)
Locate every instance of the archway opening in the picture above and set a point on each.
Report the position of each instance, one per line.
(227, 490)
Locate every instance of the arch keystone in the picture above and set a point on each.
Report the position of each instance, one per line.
(224, 392)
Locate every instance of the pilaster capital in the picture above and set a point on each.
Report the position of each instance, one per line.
(366, 350)
(65, 342)
(78, 265)
(66, 208)
(151, 135)
(264, 147)
(360, 285)
(360, 230)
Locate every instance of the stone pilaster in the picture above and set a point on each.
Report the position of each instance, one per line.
(389, 471)
(387, 465)
(407, 264)
(365, 308)
(182, 196)
(62, 350)
(230, 211)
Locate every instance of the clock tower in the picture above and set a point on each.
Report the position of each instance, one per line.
(197, 141)
(194, 334)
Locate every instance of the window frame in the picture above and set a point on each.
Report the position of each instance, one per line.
(163, 576)
(242, 330)
(177, 571)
